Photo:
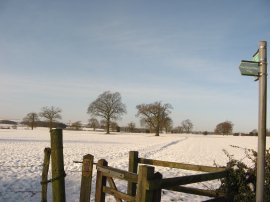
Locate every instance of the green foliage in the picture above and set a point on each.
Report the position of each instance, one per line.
(240, 183)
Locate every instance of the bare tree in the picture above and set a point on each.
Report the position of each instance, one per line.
(51, 114)
(93, 123)
(224, 128)
(154, 115)
(178, 129)
(131, 127)
(168, 124)
(108, 106)
(31, 119)
(187, 126)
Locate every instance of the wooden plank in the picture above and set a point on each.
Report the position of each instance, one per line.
(171, 182)
(113, 186)
(117, 173)
(118, 194)
(133, 168)
(111, 172)
(86, 180)
(183, 166)
(201, 192)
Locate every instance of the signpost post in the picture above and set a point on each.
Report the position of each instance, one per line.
(262, 122)
(258, 67)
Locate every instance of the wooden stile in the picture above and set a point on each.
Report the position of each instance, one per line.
(146, 186)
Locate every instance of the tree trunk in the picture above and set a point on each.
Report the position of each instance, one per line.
(157, 131)
(108, 127)
(51, 125)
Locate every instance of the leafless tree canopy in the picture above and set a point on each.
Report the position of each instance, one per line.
(131, 127)
(155, 115)
(187, 126)
(224, 128)
(108, 106)
(51, 114)
(30, 119)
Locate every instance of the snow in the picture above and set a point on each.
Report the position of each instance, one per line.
(22, 157)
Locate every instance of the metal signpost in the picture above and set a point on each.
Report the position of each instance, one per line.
(250, 68)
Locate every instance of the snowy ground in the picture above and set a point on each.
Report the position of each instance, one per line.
(22, 156)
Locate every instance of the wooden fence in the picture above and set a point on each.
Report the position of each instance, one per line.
(176, 183)
(146, 186)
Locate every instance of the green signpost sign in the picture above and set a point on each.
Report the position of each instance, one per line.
(249, 68)
(256, 57)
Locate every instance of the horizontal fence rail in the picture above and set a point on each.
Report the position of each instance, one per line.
(183, 166)
(175, 181)
(201, 192)
(117, 173)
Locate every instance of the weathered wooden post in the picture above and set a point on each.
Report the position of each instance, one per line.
(44, 178)
(58, 172)
(143, 193)
(157, 193)
(132, 167)
(86, 181)
(100, 182)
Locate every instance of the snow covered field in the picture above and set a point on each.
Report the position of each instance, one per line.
(22, 156)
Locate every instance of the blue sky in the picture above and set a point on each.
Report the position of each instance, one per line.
(186, 53)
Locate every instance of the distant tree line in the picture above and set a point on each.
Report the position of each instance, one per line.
(154, 118)
(8, 122)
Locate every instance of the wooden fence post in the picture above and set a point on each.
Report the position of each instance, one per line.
(143, 194)
(100, 182)
(132, 167)
(44, 179)
(58, 172)
(157, 193)
(86, 181)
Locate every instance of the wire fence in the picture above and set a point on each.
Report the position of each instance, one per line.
(9, 188)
